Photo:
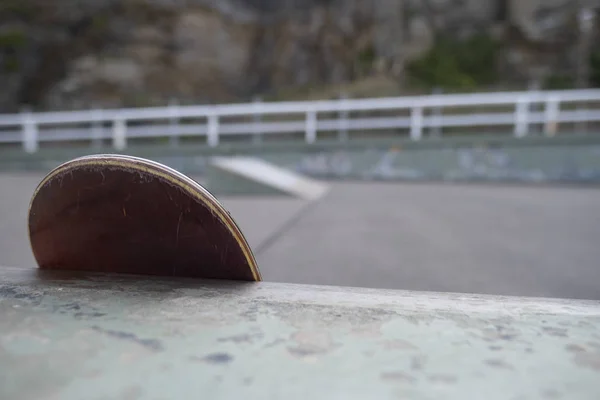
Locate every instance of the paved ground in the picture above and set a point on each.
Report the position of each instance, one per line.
(501, 240)
(537, 241)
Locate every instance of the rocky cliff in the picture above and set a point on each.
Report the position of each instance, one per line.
(65, 54)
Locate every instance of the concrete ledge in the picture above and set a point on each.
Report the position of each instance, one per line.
(76, 335)
(479, 158)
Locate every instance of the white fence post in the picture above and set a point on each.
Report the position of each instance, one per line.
(343, 123)
(311, 126)
(522, 116)
(551, 115)
(213, 129)
(416, 122)
(119, 134)
(257, 120)
(436, 114)
(30, 133)
(174, 122)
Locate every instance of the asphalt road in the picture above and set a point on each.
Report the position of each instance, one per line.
(512, 240)
(532, 241)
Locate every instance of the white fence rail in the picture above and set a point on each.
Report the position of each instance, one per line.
(32, 128)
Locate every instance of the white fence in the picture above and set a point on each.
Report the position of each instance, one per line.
(32, 128)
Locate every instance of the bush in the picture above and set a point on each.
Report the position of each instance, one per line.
(365, 59)
(457, 64)
(12, 40)
(559, 82)
(10, 43)
(17, 8)
(10, 65)
(595, 69)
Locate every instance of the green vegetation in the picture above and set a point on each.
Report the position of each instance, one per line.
(10, 64)
(100, 23)
(559, 82)
(10, 43)
(457, 64)
(17, 8)
(567, 81)
(595, 69)
(12, 40)
(365, 60)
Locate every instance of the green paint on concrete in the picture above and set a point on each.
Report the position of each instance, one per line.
(72, 336)
(565, 158)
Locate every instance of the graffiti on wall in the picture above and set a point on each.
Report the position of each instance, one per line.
(334, 164)
(481, 163)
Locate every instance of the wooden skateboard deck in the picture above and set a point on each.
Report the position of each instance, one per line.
(115, 213)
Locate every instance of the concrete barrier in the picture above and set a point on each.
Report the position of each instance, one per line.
(70, 335)
(563, 158)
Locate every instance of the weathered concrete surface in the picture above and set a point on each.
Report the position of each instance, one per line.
(538, 241)
(72, 336)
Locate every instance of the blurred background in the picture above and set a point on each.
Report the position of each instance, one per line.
(446, 145)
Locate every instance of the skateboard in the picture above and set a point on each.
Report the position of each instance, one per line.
(124, 214)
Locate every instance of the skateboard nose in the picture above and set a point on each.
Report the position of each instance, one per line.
(113, 213)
